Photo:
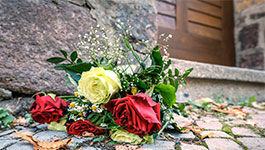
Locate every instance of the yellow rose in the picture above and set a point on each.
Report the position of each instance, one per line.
(125, 136)
(98, 85)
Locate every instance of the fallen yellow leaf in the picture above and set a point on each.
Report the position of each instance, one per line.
(211, 134)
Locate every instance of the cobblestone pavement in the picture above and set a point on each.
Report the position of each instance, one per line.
(229, 133)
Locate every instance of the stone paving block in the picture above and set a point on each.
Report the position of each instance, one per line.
(236, 122)
(180, 120)
(209, 119)
(188, 135)
(243, 131)
(20, 146)
(159, 145)
(49, 135)
(6, 143)
(253, 143)
(210, 125)
(222, 144)
(216, 134)
(42, 126)
(80, 141)
(6, 132)
(90, 148)
(192, 147)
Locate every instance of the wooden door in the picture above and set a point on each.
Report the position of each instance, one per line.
(202, 29)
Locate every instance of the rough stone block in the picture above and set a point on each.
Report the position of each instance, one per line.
(254, 61)
(31, 32)
(5, 94)
(248, 36)
(257, 15)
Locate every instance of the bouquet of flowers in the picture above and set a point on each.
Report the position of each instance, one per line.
(122, 92)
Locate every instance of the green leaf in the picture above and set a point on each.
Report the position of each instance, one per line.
(79, 60)
(187, 72)
(181, 107)
(56, 60)
(58, 126)
(90, 116)
(252, 99)
(3, 113)
(73, 75)
(95, 118)
(167, 64)
(7, 120)
(64, 53)
(168, 94)
(176, 72)
(52, 95)
(172, 82)
(79, 67)
(98, 139)
(112, 142)
(176, 84)
(137, 57)
(148, 139)
(170, 72)
(99, 122)
(73, 56)
(141, 84)
(60, 66)
(157, 58)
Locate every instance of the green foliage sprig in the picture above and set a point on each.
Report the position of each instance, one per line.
(5, 118)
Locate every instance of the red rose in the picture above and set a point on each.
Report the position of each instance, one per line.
(139, 114)
(46, 109)
(78, 127)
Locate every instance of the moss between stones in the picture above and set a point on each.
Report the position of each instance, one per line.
(240, 143)
(228, 129)
(255, 129)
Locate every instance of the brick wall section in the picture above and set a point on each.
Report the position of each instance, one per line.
(250, 33)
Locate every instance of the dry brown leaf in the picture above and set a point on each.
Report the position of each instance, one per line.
(186, 125)
(43, 145)
(28, 133)
(89, 134)
(91, 143)
(20, 121)
(196, 129)
(230, 110)
(211, 134)
(186, 130)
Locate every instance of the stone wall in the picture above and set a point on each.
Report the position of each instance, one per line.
(33, 30)
(250, 33)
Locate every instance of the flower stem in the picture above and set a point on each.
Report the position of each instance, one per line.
(164, 126)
